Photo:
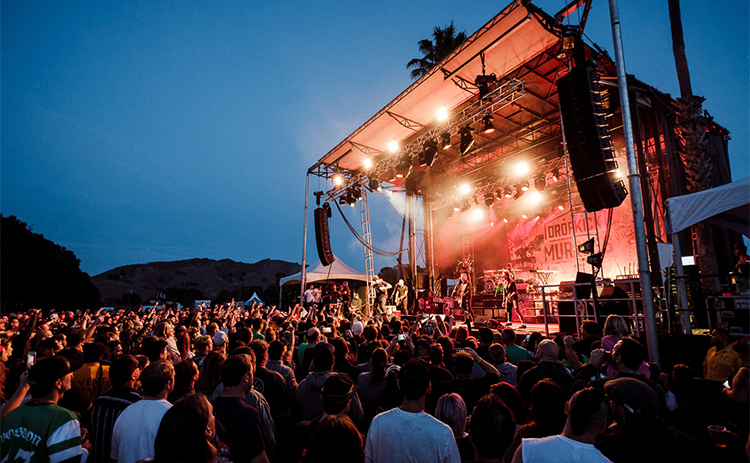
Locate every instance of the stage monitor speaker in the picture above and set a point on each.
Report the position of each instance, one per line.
(322, 238)
(587, 138)
(583, 291)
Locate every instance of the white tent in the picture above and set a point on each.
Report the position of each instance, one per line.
(727, 205)
(338, 270)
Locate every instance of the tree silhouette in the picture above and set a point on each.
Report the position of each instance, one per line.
(444, 40)
(37, 273)
(695, 151)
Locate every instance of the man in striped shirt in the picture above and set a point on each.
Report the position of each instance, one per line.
(41, 431)
(124, 375)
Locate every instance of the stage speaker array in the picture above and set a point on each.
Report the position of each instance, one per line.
(588, 140)
(322, 238)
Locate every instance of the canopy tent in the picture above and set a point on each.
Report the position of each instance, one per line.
(727, 205)
(338, 270)
(254, 298)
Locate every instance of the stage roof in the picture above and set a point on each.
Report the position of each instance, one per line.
(521, 50)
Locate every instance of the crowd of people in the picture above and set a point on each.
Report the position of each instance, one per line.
(255, 384)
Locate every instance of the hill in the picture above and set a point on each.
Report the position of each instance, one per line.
(187, 280)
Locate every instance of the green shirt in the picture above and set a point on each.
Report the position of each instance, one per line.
(40, 433)
(517, 353)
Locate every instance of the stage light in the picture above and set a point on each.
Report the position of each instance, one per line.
(465, 206)
(522, 168)
(467, 140)
(429, 154)
(457, 207)
(492, 224)
(540, 183)
(561, 207)
(374, 184)
(520, 191)
(350, 199)
(442, 113)
(476, 200)
(555, 174)
(535, 196)
(357, 192)
(464, 188)
(342, 200)
(478, 213)
(489, 199)
(445, 140)
(618, 174)
(587, 247)
(524, 216)
(524, 186)
(337, 179)
(393, 146)
(367, 163)
(508, 193)
(595, 260)
(404, 169)
(505, 220)
(488, 127)
(483, 83)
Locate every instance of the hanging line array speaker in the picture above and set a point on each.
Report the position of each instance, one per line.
(322, 237)
(587, 137)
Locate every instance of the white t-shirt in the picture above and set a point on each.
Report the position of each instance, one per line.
(135, 430)
(407, 437)
(560, 449)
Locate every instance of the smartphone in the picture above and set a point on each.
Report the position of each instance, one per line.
(30, 360)
(402, 337)
(327, 330)
(528, 336)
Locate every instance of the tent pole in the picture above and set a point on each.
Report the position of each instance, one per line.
(304, 241)
(681, 286)
(635, 189)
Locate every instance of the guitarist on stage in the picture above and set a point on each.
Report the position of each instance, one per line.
(462, 290)
(510, 298)
(400, 293)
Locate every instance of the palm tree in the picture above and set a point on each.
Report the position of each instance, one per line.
(444, 40)
(695, 152)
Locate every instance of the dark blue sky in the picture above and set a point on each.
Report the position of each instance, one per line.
(150, 130)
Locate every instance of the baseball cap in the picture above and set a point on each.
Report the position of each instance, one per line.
(635, 396)
(357, 328)
(220, 338)
(46, 371)
(338, 387)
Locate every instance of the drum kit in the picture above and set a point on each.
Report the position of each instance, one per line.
(493, 282)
